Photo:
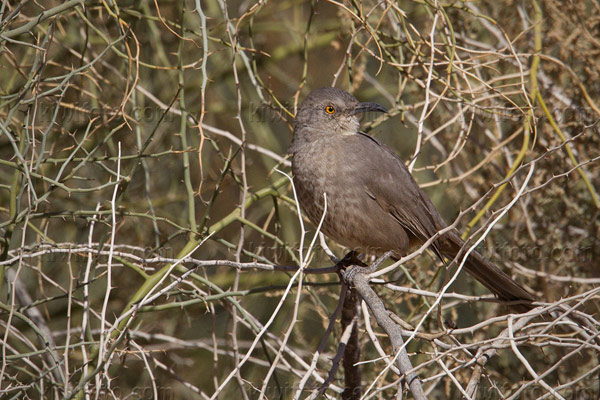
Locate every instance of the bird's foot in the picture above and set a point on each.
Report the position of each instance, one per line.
(350, 259)
(349, 273)
(351, 265)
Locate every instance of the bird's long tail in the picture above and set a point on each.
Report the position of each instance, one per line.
(488, 274)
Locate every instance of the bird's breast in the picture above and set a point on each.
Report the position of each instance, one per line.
(351, 217)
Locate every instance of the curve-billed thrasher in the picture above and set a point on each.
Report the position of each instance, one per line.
(373, 203)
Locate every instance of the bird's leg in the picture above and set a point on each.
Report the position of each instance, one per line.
(351, 265)
(350, 259)
(347, 264)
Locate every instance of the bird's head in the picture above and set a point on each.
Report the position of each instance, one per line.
(332, 110)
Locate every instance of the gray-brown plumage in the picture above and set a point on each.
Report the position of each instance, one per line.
(373, 203)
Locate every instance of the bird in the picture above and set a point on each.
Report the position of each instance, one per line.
(374, 205)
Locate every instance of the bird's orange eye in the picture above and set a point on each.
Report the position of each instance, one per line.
(330, 109)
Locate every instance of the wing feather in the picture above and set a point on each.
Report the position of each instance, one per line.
(390, 184)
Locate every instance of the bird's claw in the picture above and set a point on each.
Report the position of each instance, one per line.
(351, 265)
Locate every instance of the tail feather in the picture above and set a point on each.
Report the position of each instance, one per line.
(489, 275)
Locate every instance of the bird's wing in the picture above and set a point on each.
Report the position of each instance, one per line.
(387, 181)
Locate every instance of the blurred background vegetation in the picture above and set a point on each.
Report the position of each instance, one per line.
(132, 132)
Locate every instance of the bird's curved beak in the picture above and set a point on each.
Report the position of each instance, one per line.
(364, 107)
